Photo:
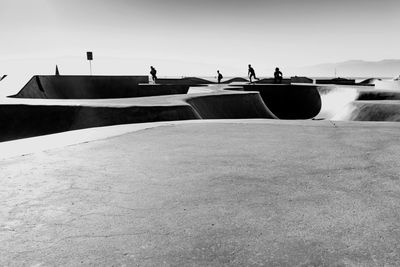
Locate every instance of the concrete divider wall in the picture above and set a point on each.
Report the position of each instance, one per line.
(289, 101)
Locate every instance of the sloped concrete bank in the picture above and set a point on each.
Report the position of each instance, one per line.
(27, 120)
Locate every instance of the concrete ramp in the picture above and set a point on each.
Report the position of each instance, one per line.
(40, 117)
(371, 111)
(234, 80)
(21, 121)
(379, 95)
(94, 87)
(359, 104)
(289, 101)
(370, 81)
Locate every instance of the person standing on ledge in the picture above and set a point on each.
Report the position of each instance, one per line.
(252, 74)
(153, 73)
(219, 77)
(278, 76)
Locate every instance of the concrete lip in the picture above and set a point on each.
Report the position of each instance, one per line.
(237, 193)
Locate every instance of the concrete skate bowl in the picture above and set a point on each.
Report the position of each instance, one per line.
(334, 100)
(94, 87)
(359, 104)
(289, 101)
(230, 106)
(371, 111)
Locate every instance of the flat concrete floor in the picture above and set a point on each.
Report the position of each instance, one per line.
(241, 193)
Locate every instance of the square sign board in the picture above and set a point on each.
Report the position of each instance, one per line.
(89, 55)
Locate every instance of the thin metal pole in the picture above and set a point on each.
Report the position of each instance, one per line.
(90, 62)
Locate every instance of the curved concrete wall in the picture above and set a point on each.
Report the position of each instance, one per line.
(27, 120)
(21, 121)
(289, 101)
(234, 80)
(371, 111)
(94, 87)
(230, 106)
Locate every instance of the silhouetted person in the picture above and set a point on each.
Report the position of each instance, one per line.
(252, 74)
(153, 73)
(219, 76)
(278, 76)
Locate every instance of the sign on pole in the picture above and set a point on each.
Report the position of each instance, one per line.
(89, 56)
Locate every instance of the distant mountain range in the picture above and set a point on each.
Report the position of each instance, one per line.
(352, 68)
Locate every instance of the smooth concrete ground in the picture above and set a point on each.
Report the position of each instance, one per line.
(238, 193)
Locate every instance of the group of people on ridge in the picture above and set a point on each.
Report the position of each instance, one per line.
(251, 74)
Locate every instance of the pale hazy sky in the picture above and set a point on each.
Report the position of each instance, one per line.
(194, 36)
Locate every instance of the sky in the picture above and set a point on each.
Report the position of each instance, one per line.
(193, 37)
